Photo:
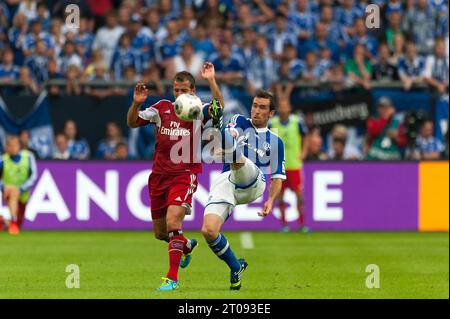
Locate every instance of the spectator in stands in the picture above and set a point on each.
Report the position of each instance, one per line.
(16, 35)
(30, 40)
(361, 37)
(28, 84)
(78, 147)
(394, 28)
(212, 17)
(304, 21)
(284, 84)
(38, 62)
(315, 152)
(73, 75)
(97, 58)
(411, 67)
(124, 56)
(385, 134)
(154, 29)
(295, 65)
(142, 45)
(84, 40)
(430, 147)
(24, 138)
(188, 22)
(359, 69)
(99, 91)
(437, 68)
(201, 42)
(69, 57)
(107, 37)
(56, 37)
(28, 8)
(334, 30)
(336, 78)
(383, 70)
(229, 68)
(312, 70)
(169, 47)
(341, 148)
(61, 148)
(419, 23)
(8, 71)
(107, 147)
(279, 34)
(121, 152)
(321, 40)
(43, 16)
(246, 46)
(337, 148)
(186, 60)
(260, 72)
(54, 74)
(346, 16)
(399, 49)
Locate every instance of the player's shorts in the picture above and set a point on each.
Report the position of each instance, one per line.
(224, 195)
(293, 180)
(166, 190)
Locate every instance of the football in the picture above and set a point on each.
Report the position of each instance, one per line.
(188, 107)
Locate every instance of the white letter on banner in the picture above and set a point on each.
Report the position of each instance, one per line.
(108, 200)
(322, 196)
(133, 196)
(46, 187)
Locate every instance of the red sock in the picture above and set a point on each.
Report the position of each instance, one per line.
(177, 244)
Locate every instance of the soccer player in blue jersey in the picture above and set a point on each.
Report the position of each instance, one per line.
(250, 151)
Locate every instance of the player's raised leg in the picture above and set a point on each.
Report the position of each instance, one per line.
(215, 215)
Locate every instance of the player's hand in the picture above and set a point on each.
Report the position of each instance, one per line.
(266, 209)
(140, 93)
(208, 71)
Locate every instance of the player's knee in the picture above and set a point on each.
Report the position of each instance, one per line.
(209, 232)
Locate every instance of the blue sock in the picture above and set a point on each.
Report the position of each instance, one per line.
(221, 248)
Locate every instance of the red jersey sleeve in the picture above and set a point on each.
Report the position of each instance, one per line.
(150, 115)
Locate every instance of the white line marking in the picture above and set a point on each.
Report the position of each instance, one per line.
(247, 240)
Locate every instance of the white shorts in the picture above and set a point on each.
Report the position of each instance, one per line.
(224, 195)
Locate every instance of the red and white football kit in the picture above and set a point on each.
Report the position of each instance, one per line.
(177, 159)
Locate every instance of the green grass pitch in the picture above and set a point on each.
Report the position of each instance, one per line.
(294, 265)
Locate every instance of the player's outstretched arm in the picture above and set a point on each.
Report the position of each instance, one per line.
(274, 190)
(139, 97)
(209, 74)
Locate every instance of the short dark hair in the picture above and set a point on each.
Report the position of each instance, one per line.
(185, 76)
(266, 95)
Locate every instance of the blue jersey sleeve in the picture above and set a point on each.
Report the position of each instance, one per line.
(236, 122)
(277, 161)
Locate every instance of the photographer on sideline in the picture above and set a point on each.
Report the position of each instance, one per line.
(385, 134)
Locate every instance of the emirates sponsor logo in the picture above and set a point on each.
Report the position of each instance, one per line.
(174, 130)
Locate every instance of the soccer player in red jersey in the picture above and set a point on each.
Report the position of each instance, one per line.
(173, 180)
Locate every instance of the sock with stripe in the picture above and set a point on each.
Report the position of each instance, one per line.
(178, 244)
(222, 249)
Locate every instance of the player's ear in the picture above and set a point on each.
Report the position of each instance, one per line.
(272, 113)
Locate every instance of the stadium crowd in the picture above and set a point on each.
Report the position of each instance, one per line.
(261, 44)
